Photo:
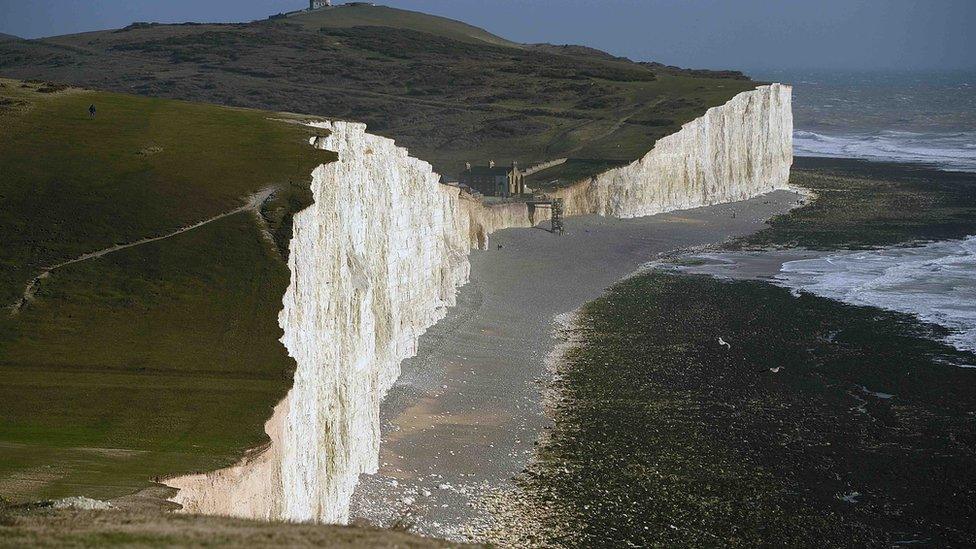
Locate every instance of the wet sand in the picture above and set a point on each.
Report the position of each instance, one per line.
(465, 414)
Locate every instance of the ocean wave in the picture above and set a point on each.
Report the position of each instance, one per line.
(954, 151)
(935, 282)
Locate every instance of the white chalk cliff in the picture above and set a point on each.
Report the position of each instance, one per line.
(738, 150)
(377, 259)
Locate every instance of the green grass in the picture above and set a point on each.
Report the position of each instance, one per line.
(169, 350)
(161, 358)
(73, 185)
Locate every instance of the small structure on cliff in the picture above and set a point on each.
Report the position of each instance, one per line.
(557, 216)
(556, 211)
(319, 4)
(494, 180)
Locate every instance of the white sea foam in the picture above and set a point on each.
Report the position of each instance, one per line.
(935, 282)
(954, 151)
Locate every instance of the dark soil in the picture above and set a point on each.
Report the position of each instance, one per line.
(864, 204)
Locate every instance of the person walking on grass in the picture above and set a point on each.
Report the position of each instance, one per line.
(91, 110)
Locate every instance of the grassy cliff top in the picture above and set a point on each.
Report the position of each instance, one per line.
(446, 90)
(141, 167)
(155, 359)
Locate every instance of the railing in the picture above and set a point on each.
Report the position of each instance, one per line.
(544, 166)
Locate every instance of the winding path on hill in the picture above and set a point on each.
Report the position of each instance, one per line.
(253, 203)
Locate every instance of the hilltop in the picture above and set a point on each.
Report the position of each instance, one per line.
(343, 17)
(448, 91)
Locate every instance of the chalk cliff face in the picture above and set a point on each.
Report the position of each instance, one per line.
(377, 259)
(735, 151)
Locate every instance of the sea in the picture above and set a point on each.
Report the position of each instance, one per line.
(919, 117)
(935, 281)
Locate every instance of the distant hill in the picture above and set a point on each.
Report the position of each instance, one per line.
(381, 16)
(581, 51)
(704, 73)
(8, 37)
(448, 91)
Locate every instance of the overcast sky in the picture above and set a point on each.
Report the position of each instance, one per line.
(749, 34)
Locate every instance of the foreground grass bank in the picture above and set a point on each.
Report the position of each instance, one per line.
(50, 528)
(161, 358)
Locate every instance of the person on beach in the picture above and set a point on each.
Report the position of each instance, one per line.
(91, 110)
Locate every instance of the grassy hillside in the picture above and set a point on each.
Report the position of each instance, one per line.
(73, 184)
(448, 91)
(158, 358)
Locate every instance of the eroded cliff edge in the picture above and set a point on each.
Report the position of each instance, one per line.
(377, 259)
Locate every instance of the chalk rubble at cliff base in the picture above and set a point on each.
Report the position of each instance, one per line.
(378, 258)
